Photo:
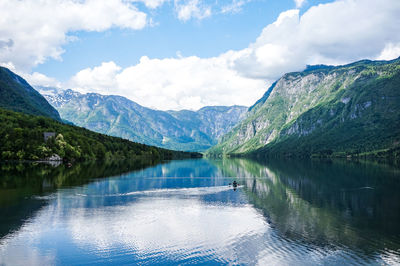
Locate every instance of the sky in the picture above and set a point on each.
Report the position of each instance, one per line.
(186, 54)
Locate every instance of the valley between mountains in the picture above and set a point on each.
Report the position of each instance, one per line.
(349, 110)
(323, 111)
(118, 116)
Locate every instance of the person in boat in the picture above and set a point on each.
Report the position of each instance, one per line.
(235, 185)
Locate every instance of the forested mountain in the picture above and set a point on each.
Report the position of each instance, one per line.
(117, 116)
(29, 116)
(323, 111)
(22, 138)
(17, 95)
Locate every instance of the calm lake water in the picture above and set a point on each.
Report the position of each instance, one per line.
(178, 212)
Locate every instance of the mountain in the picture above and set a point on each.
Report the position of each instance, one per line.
(17, 95)
(22, 138)
(214, 121)
(323, 111)
(29, 116)
(117, 116)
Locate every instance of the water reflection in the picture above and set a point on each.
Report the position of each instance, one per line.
(20, 182)
(334, 204)
(283, 212)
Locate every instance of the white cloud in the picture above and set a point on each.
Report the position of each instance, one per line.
(42, 80)
(200, 9)
(102, 77)
(390, 51)
(188, 9)
(8, 65)
(234, 7)
(32, 31)
(151, 3)
(172, 83)
(299, 3)
(335, 33)
(35, 78)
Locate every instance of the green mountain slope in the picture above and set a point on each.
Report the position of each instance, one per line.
(323, 111)
(118, 116)
(22, 138)
(17, 95)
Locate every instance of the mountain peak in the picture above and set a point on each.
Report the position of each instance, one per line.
(119, 116)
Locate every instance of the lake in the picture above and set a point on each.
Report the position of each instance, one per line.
(283, 212)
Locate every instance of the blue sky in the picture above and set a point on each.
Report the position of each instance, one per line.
(207, 37)
(185, 54)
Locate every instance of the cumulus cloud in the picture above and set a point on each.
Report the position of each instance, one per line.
(32, 31)
(390, 51)
(36, 30)
(187, 9)
(102, 77)
(39, 79)
(334, 33)
(172, 83)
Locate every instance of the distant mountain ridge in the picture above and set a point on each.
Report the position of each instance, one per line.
(345, 110)
(118, 116)
(25, 115)
(17, 95)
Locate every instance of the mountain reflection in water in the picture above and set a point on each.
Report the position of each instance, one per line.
(283, 212)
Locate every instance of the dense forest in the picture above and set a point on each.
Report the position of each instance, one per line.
(22, 138)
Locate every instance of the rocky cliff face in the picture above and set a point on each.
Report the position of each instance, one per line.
(117, 116)
(319, 101)
(214, 121)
